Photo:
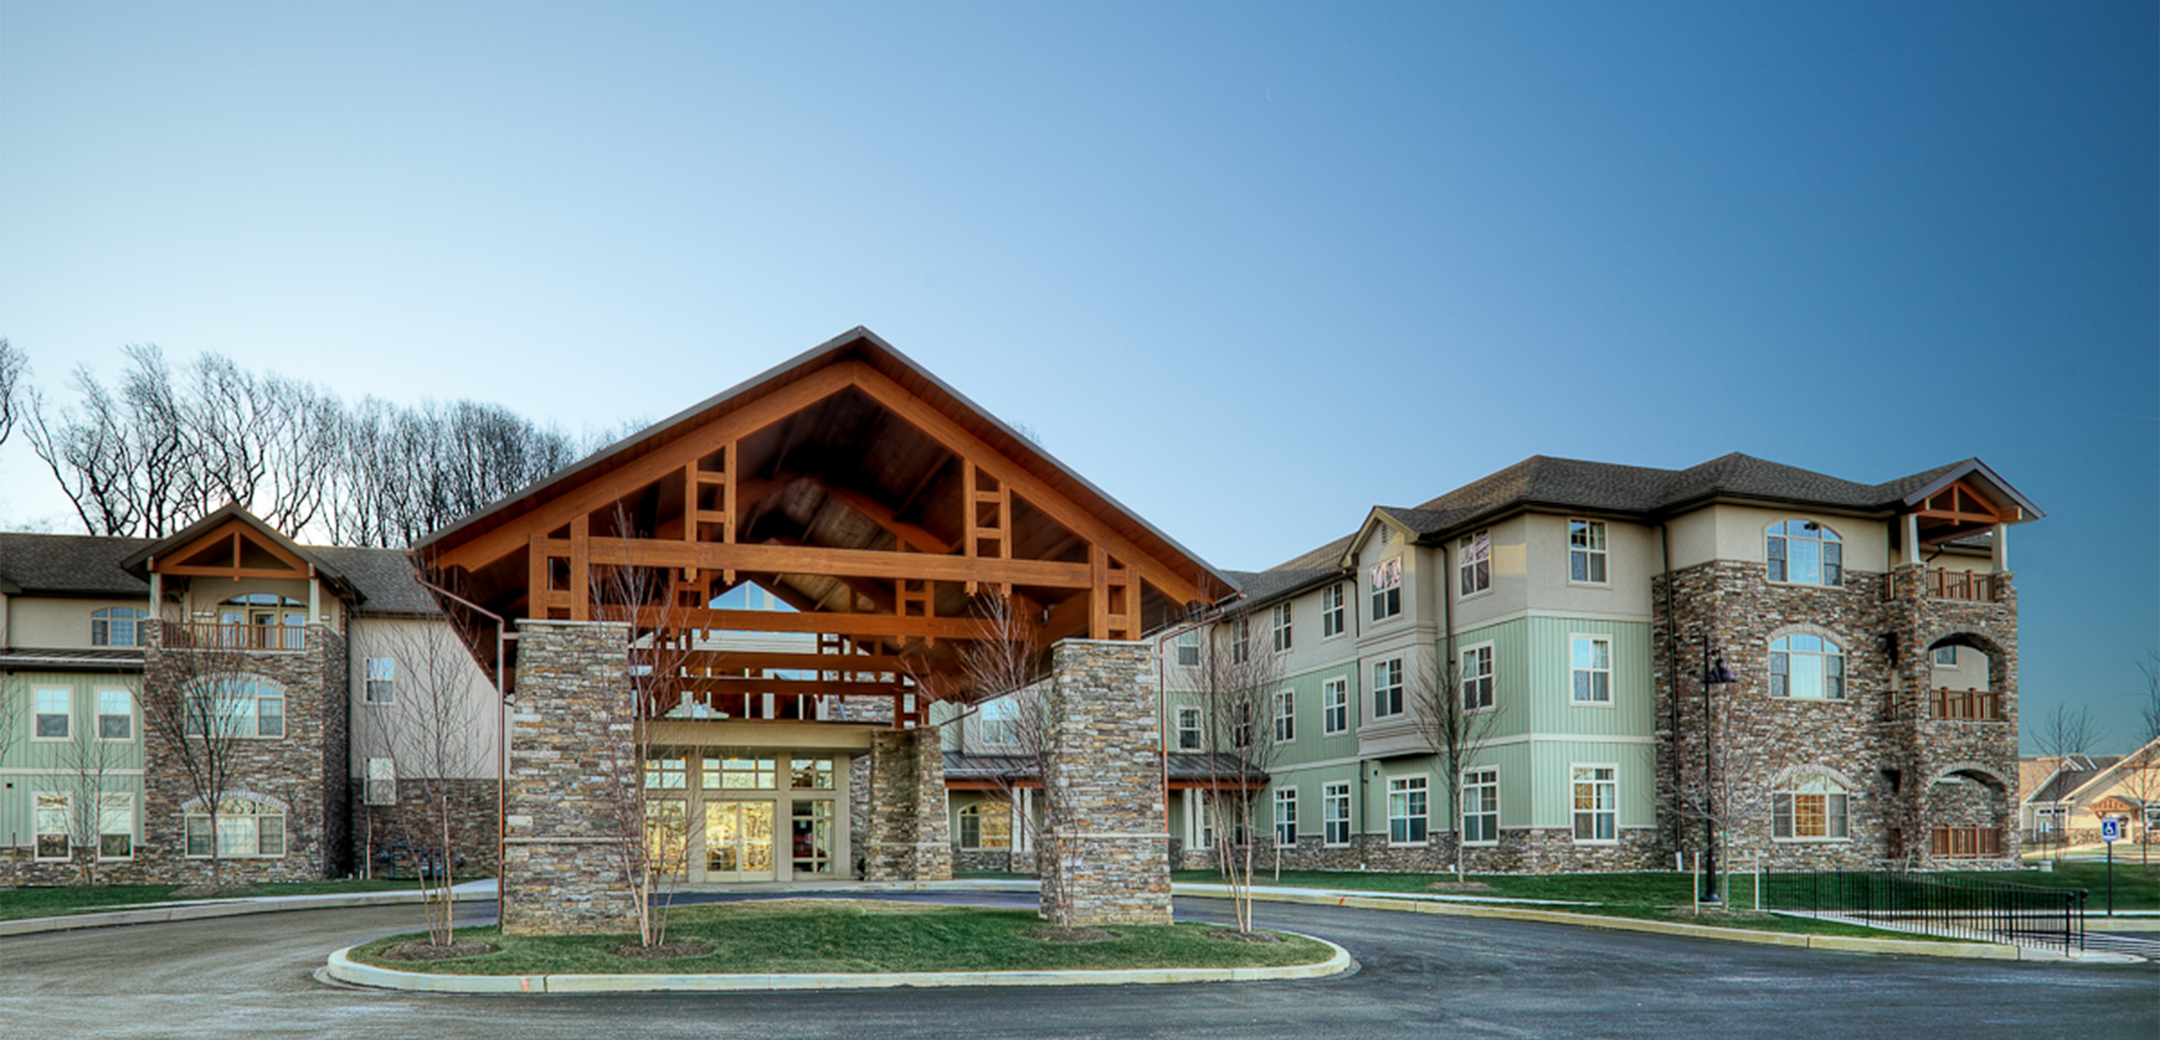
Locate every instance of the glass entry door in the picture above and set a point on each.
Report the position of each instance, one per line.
(739, 841)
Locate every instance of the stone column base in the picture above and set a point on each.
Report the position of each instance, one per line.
(565, 889)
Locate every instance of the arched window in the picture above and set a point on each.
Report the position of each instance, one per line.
(119, 626)
(246, 829)
(986, 825)
(1811, 806)
(1809, 666)
(1804, 552)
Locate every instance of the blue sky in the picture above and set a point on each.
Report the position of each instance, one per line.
(1250, 268)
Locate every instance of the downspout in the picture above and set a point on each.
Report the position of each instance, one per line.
(1447, 657)
(1672, 678)
(502, 736)
(1357, 634)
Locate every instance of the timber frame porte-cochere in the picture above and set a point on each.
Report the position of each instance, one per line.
(775, 583)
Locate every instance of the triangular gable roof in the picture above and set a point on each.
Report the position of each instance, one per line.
(165, 553)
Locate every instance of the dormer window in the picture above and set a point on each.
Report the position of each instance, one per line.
(119, 626)
(1803, 552)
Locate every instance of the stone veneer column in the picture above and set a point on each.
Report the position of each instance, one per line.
(571, 745)
(906, 835)
(1108, 853)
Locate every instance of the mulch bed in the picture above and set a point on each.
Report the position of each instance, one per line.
(1227, 935)
(1071, 935)
(664, 951)
(423, 950)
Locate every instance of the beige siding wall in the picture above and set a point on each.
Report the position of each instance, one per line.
(438, 692)
(54, 622)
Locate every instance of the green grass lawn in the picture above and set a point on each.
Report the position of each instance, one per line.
(818, 935)
(59, 900)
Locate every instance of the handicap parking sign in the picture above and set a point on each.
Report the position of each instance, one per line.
(2111, 828)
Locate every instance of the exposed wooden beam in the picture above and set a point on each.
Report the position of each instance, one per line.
(911, 535)
(801, 687)
(737, 660)
(836, 563)
(879, 625)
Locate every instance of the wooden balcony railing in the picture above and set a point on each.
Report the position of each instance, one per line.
(1967, 586)
(184, 635)
(1966, 706)
(1966, 842)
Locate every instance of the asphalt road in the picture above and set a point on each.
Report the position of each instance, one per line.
(1421, 976)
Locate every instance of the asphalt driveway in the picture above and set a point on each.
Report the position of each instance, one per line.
(1421, 976)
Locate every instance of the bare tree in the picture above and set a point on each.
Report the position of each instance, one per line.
(406, 471)
(1728, 791)
(196, 704)
(13, 367)
(2064, 733)
(1458, 714)
(90, 756)
(437, 736)
(1002, 665)
(10, 732)
(1239, 677)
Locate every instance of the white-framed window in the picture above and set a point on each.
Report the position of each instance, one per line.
(1407, 809)
(246, 829)
(116, 825)
(1387, 688)
(1474, 562)
(999, 722)
(1807, 666)
(1586, 551)
(115, 715)
(1335, 813)
(1189, 736)
(1188, 648)
(1386, 588)
(55, 711)
(1481, 806)
(986, 825)
(1946, 656)
(1597, 803)
(1241, 723)
(236, 708)
(1331, 611)
(1477, 677)
(381, 781)
(49, 815)
(1590, 659)
(1804, 552)
(119, 626)
(382, 680)
(1241, 640)
(1285, 716)
(1810, 808)
(1335, 705)
(1282, 627)
(1286, 817)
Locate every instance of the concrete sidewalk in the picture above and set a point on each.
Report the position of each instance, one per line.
(189, 910)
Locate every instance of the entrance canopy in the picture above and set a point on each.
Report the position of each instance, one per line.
(859, 489)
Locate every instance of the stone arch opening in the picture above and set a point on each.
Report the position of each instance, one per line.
(1967, 678)
(1968, 813)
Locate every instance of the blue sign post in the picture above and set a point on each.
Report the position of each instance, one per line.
(2111, 831)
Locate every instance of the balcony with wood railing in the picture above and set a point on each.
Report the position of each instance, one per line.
(1963, 586)
(192, 635)
(1966, 842)
(1947, 705)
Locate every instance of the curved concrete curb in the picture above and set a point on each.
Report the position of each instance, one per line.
(1841, 943)
(344, 969)
(225, 908)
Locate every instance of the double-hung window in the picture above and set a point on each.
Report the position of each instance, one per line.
(1804, 552)
(1481, 806)
(1586, 551)
(1335, 813)
(236, 708)
(1477, 678)
(116, 825)
(1335, 705)
(1331, 611)
(1386, 578)
(1406, 809)
(1285, 716)
(1282, 627)
(1387, 688)
(381, 680)
(1597, 803)
(49, 818)
(119, 626)
(55, 710)
(115, 715)
(1188, 648)
(1188, 729)
(1807, 666)
(1591, 663)
(1474, 562)
(1286, 817)
(1241, 640)
(1241, 723)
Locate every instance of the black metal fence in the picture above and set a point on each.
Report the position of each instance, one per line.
(1963, 907)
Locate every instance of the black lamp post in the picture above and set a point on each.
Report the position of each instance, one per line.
(1714, 673)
